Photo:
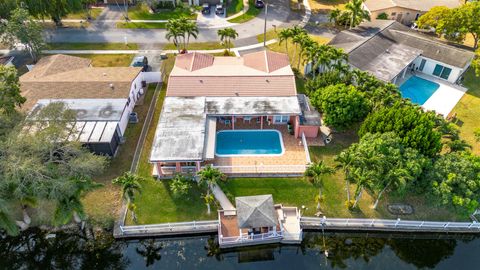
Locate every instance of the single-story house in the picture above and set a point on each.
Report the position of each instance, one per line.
(210, 103)
(388, 49)
(404, 11)
(74, 80)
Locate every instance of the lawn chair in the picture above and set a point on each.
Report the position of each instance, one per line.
(247, 119)
(228, 122)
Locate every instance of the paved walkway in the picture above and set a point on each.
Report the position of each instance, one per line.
(222, 198)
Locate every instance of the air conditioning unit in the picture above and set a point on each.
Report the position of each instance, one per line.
(133, 118)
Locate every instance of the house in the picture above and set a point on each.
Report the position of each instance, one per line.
(241, 115)
(256, 220)
(94, 92)
(427, 70)
(404, 11)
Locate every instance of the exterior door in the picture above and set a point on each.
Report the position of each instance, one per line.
(280, 119)
(422, 64)
(399, 17)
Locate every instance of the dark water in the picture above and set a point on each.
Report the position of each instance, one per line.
(33, 250)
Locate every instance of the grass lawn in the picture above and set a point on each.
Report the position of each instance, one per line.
(109, 60)
(102, 205)
(141, 25)
(468, 110)
(92, 46)
(94, 12)
(234, 7)
(251, 13)
(327, 5)
(199, 46)
(51, 25)
(156, 203)
(141, 12)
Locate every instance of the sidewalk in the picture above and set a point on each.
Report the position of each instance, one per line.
(222, 198)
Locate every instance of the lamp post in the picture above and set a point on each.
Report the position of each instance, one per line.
(265, 25)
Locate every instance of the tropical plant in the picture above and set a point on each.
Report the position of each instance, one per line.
(10, 96)
(297, 34)
(131, 186)
(190, 29)
(284, 36)
(54, 9)
(209, 199)
(209, 177)
(314, 173)
(226, 35)
(344, 162)
(341, 105)
(334, 15)
(455, 180)
(21, 28)
(382, 16)
(356, 12)
(6, 221)
(180, 185)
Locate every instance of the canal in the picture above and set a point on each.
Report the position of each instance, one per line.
(37, 250)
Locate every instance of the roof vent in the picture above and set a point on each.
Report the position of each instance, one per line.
(111, 86)
(201, 81)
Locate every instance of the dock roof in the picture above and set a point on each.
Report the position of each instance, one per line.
(255, 211)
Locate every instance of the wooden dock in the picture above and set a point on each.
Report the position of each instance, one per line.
(168, 229)
(388, 225)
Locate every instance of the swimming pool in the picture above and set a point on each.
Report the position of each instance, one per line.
(418, 90)
(249, 143)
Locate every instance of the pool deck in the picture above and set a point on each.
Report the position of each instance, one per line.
(444, 99)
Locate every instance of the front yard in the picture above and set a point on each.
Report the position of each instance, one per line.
(92, 46)
(251, 13)
(142, 12)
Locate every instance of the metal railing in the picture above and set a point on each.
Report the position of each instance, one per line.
(169, 228)
(250, 237)
(389, 224)
(262, 169)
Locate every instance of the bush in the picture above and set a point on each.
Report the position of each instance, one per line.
(163, 5)
(382, 16)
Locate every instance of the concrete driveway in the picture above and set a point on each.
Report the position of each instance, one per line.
(213, 20)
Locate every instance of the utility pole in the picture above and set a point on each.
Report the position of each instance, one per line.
(265, 25)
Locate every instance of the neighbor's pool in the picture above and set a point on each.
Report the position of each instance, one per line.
(248, 143)
(418, 90)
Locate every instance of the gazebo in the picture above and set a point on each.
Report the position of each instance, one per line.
(256, 213)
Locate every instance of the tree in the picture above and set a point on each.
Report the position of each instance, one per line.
(6, 7)
(381, 163)
(130, 184)
(180, 30)
(314, 173)
(416, 128)
(334, 15)
(476, 63)
(190, 29)
(23, 29)
(180, 185)
(297, 35)
(455, 180)
(6, 221)
(226, 35)
(69, 200)
(432, 18)
(341, 105)
(345, 160)
(174, 32)
(283, 36)
(86, 5)
(54, 9)
(209, 177)
(356, 12)
(10, 96)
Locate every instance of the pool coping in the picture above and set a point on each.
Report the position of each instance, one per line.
(425, 79)
(251, 155)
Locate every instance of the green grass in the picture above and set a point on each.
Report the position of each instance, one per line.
(141, 12)
(198, 46)
(156, 203)
(109, 60)
(251, 13)
(92, 46)
(234, 7)
(79, 15)
(468, 111)
(141, 25)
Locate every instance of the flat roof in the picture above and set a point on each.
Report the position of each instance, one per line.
(181, 129)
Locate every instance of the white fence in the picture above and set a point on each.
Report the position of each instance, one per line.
(248, 238)
(262, 169)
(388, 225)
(171, 228)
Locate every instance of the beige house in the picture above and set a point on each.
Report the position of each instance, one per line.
(404, 11)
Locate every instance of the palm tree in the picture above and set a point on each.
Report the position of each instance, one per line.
(130, 184)
(345, 160)
(312, 55)
(296, 34)
(190, 29)
(226, 35)
(180, 185)
(174, 32)
(70, 205)
(150, 251)
(283, 36)
(334, 15)
(357, 13)
(209, 177)
(314, 173)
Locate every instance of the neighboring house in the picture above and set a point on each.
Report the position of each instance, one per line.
(6, 60)
(256, 92)
(73, 79)
(388, 49)
(404, 11)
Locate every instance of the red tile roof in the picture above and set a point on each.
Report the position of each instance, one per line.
(266, 61)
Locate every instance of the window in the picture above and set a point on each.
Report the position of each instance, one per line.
(442, 72)
(280, 119)
(394, 13)
(128, 101)
(422, 64)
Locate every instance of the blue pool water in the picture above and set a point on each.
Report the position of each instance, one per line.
(248, 143)
(418, 90)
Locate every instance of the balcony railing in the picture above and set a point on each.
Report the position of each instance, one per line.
(246, 238)
(262, 169)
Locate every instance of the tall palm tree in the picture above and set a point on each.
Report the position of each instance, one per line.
(175, 32)
(297, 35)
(70, 205)
(314, 173)
(209, 177)
(130, 184)
(190, 29)
(345, 160)
(312, 55)
(334, 15)
(226, 35)
(305, 41)
(357, 13)
(283, 36)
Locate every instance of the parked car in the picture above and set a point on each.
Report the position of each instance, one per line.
(259, 4)
(206, 9)
(219, 10)
(140, 61)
